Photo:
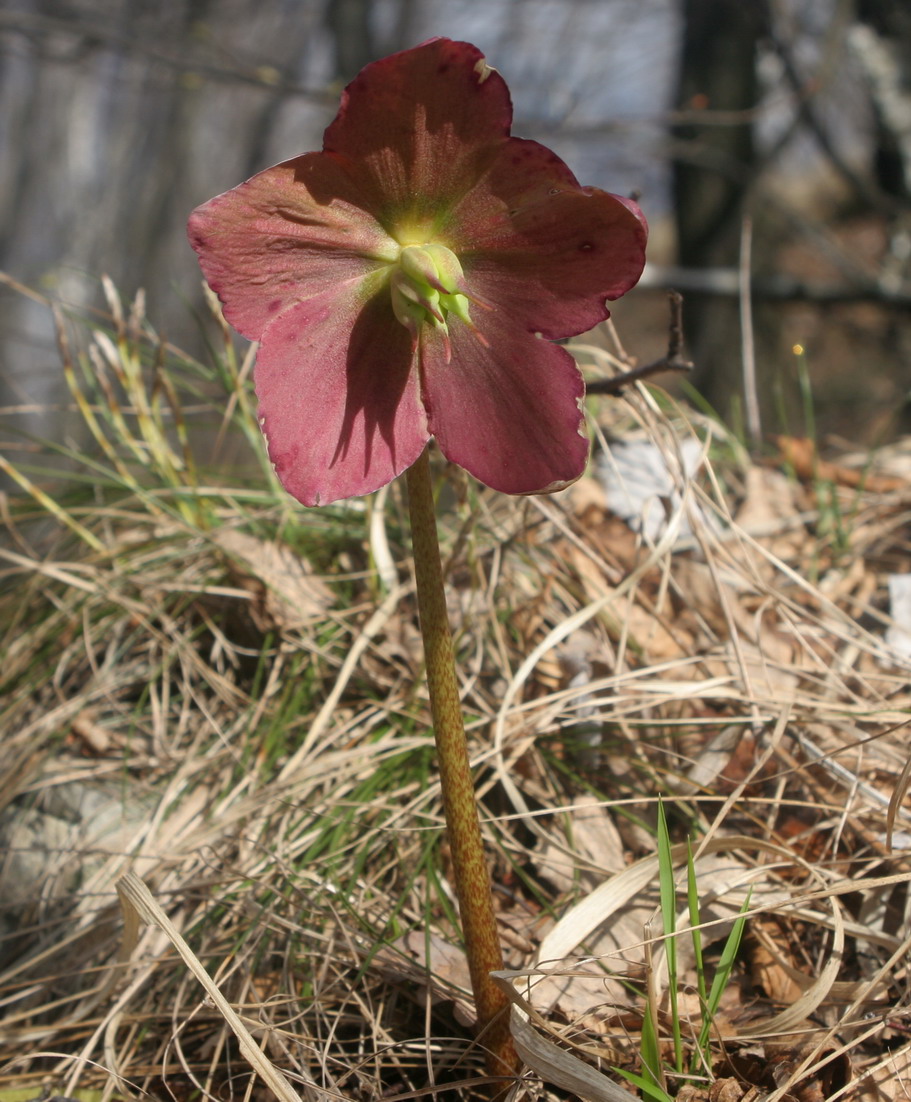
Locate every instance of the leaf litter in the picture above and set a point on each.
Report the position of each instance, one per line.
(214, 699)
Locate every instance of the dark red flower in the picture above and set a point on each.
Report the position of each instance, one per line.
(408, 281)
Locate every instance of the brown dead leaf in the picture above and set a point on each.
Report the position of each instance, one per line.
(595, 839)
(725, 611)
(726, 1090)
(801, 454)
(97, 739)
(785, 1058)
(615, 948)
(648, 631)
(730, 753)
(775, 1065)
(766, 949)
(777, 680)
(288, 594)
(690, 1093)
(769, 504)
(434, 965)
(770, 514)
(607, 534)
(888, 1080)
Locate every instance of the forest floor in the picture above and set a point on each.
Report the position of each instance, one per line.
(692, 667)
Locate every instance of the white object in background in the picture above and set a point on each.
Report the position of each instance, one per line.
(640, 488)
(898, 635)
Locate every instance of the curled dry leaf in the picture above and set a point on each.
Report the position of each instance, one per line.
(727, 1090)
(721, 1090)
(617, 919)
(627, 614)
(551, 1062)
(801, 454)
(888, 1080)
(595, 839)
(611, 923)
(288, 594)
(766, 967)
(96, 739)
(434, 965)
(713, 761)
(770, 513)
(793, 1067)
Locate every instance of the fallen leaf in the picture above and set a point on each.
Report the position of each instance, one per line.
(595, 842)
(898, 634)
(647, 631)
(615, 920)
(800, 453)
(770, 513)
(888, 1080)
(289, 594)
(766, 970)
(433, 965)
(97, 739)
(726, 1090)
(643, 485)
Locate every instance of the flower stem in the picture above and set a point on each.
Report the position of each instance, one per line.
(472, 879)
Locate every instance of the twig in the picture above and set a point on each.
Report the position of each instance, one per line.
(675, 360)
(747, 346)
(726, 282)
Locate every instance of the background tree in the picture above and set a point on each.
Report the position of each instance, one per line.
(120, 116)
(714, 158)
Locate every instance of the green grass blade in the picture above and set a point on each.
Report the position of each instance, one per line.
(650, 1053)
(648, 1088)
(668, 894)
(692, 892)
(50, 505)
(723, 973)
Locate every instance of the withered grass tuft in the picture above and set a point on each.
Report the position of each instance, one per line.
(213, 688)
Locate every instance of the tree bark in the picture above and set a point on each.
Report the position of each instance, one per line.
(712, 169)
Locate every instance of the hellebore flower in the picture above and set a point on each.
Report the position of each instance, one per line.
(407, 281)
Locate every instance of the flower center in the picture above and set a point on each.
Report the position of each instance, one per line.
(428, 285)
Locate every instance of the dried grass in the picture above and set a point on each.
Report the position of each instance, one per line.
(220, 693)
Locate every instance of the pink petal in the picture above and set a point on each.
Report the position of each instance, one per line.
(547, 252)
(510, 413)
(339, 398)
(283, 236)
(421, 126)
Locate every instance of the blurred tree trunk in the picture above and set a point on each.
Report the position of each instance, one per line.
(886, 58)
(108, 110)
(712, 168)
(352, 32)
(882, 43)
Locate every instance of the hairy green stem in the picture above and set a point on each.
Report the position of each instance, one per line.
(472, 879)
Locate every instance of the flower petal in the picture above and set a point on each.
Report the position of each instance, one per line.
(509, 413)
(546, 251)
(339, 398)
(421, 126)
(282, 235)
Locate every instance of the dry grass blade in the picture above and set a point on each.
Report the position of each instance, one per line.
(554, 1064)
(902, 783)
(376, 622)
(135, 897)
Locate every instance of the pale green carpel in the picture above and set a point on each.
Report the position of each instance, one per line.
(428, 285)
